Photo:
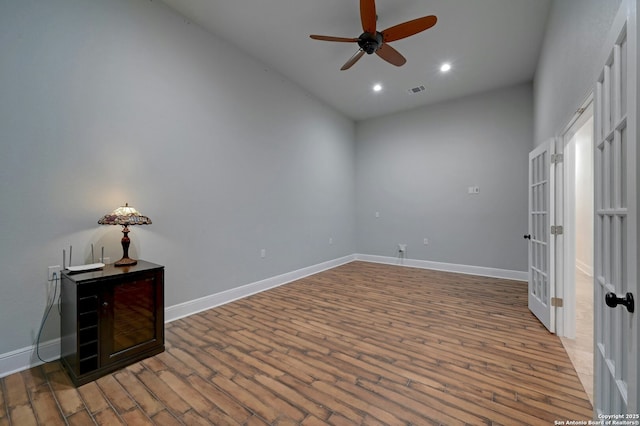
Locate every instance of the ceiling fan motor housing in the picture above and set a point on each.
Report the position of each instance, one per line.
(370, 42)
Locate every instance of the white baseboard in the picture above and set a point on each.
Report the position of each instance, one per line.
(191, 307)
(22, 359)
(447, 267)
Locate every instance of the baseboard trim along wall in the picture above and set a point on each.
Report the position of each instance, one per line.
(191, 307)
(446, 267)
(22, 359)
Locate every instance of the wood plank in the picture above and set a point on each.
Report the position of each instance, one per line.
(80, 418)
(181, 387)
(222, 400)
(108, 417)
(115, 393)
(171, 399)
(45, 407)
(195, 419)
(149, 404)
(4, 416)
(247, 399)
(136, 417)
(93, 398)
(165, 418)
(324, 399)
(16, 391)
(23, 415)
(66, 394)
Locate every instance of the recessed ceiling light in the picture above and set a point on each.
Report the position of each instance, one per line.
(445, 67)
(377, 87)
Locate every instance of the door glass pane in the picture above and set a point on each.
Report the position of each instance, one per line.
(606, 107)
(623, 256)
(599, 170)
(613, 99)
(622, 173)
(597, 113)
(623, 77)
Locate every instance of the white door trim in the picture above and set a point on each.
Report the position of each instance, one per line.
(565, 284)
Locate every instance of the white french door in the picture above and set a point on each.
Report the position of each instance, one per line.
(616, 221)
(541, 244)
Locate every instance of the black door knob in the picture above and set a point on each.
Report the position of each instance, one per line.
(527, 236)
(612, 300)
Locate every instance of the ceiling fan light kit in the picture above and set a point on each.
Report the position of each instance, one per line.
(372, 41)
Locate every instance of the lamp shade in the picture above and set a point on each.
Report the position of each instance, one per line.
(125, 216)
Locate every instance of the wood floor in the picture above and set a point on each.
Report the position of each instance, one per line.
(580, 349)
(359, 344)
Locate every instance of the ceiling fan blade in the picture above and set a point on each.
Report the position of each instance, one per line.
(391, 55)
(331, 38)
(408, 28)
(353, 60)
(368, 16)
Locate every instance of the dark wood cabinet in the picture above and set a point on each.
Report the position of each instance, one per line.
(111, 318)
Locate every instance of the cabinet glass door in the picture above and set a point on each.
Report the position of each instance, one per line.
(134, 315)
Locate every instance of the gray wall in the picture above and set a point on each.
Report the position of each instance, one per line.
(414, 168)
(567, 67)
(106, 102)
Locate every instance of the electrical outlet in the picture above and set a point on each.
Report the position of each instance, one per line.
(402, 248)
(53, 270)
(426, 241)
(330, 240)
(263, 253)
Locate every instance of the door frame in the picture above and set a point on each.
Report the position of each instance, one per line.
(566, 211)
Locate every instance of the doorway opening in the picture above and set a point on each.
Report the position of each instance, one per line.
(578, 251)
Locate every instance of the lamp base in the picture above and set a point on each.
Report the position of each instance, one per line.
(126, 261)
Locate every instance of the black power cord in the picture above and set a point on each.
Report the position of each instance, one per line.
(46, 315)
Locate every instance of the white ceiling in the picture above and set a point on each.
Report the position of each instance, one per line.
(490, 44)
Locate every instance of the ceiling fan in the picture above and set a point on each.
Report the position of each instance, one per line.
(372, 41)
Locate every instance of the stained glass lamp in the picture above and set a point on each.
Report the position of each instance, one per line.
(125, 216)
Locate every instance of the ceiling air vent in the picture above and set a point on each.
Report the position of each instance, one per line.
(416, 89)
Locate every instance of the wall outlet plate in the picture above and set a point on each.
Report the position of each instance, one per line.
(53, 270)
